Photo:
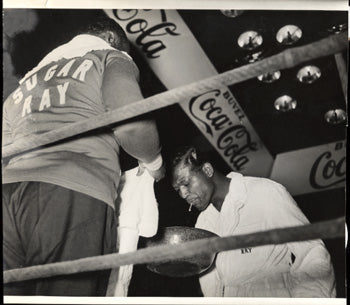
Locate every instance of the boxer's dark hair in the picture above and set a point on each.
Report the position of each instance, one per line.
(102, 24)
(189, 156)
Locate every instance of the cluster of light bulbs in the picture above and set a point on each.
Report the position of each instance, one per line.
(307, 75)
(286, 103)
(251, 40)
(287, 35)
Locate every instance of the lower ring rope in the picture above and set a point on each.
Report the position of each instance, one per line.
(286, 59)
(322, 230)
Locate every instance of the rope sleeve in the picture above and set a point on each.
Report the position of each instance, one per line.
(286, 59)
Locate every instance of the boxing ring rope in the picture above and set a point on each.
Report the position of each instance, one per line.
(286, 59)
(326, 229)
(322, 230)
(343, 74)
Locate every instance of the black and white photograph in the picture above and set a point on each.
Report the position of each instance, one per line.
(183, 153)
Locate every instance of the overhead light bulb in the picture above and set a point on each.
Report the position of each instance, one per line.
(232, 13)
(335, 116)
(285, 103)
(269, 77)
(289, 34)
(309, 74)
(250, 40)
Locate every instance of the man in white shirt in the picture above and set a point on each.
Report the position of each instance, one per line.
(234, 204)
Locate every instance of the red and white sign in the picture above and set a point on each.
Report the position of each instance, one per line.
(177, 59)
(311, 169)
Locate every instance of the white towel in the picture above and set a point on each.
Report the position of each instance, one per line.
(138, 217)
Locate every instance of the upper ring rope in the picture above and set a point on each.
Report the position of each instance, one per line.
(327, 229)
(286, 59)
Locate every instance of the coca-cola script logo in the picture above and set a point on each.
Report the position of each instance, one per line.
(145, 33)
(328, 170)
(234, 141)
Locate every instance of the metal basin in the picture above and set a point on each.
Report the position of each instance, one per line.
(186, 266)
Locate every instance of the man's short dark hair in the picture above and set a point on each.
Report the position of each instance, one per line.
(102, 24)
(189, 156)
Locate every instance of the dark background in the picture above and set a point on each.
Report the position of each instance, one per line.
(280, 132)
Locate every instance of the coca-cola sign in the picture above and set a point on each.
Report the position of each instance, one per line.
(312, 169)
(233, 140)
(149, 36)
(328, 169)
(176, 57)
